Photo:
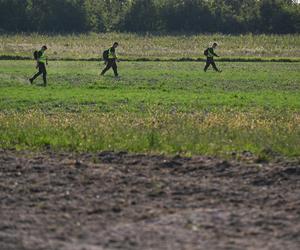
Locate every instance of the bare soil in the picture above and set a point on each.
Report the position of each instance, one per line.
(125, 201)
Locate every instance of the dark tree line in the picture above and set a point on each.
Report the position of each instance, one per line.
(188, 16)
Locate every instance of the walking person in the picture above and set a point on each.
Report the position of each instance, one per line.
(209, 53)
(111, 59)
(42, 61)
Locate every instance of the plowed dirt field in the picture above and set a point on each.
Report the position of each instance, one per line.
(125, 201)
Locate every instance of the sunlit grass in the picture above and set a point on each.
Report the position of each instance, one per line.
(134, 46)
(219, 133)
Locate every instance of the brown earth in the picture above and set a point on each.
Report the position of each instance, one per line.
(123, 201)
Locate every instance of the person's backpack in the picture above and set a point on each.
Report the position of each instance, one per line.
(206, 52)
(105, 55)
(36, 55)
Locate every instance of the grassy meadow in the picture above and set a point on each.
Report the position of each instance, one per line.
(152, 47)
(158, 107)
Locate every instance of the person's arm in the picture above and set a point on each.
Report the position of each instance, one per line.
(46, 58)
(117, 58)
(214, 53)
(39, 55)
(38, 58)
(113, 53)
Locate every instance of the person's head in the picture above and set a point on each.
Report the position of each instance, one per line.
(215, 45)
(44, 48)
(116, 44)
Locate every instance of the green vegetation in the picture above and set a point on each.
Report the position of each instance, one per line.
(155, 107)
(200, 16)
(151, 47)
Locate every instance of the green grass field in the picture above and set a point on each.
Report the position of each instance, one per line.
(151, 47)
(158, 107)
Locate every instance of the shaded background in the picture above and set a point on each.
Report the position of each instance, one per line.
(161, 16)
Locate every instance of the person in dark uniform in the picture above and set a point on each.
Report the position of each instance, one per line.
(112, 60)
(209, 53)
(41, 61)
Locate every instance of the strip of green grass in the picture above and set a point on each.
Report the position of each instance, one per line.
(155, 107)
(180, 86)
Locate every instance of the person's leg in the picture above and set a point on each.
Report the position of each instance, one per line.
(208, 62)
(108, 66)
(44, 74)
(215, 66)
(37, 74)
(115, 68)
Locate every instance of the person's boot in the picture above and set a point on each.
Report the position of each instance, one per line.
(31, 80)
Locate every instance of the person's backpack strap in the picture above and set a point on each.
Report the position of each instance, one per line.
(105, 55)
(36, 55)
(206, 52)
